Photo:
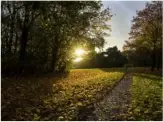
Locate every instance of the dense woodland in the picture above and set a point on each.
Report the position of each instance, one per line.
(110, 58)
(42, 36)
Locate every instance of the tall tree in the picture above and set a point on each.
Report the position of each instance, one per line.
(41, 35)
(146, 34)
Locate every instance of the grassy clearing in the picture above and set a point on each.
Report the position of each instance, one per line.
(52, 98)
(146, 91)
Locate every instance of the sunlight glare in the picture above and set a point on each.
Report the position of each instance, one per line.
(97, 50)
(78, 59)
(79, 52)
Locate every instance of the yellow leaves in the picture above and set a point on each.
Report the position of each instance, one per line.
(36, 117)
(137, 110)
(66, 95)
(46, 25)
(62, 92)
(89, 96)
(79, 104)
(146, 111)
(38, 110)
(60, 118)
(46, 102)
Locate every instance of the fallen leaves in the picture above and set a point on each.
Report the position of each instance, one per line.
(56, 98)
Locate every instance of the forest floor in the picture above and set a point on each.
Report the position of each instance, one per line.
(84, 94)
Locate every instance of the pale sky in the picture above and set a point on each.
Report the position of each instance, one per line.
(121, 22)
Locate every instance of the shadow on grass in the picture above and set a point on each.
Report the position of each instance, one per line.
(25, 95)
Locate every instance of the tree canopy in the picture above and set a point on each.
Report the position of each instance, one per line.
(41, 36)
(146, 35)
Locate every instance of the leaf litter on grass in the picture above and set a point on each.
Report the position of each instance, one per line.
(49, 98)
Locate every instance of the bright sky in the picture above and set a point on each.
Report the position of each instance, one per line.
(121, 22)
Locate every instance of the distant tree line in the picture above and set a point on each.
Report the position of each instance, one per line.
(110, 58)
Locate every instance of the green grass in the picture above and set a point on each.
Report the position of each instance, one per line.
(146, 102)
(55, 98)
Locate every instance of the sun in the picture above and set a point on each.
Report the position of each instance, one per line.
(79, 52)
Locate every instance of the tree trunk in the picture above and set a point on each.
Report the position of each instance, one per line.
(24, 39)
(54, 54)
(11, 37)
(54, 59)
(159, 59)
(12, 15)
(16, 42)
(154, 57)
(11, 33)
(23, 44)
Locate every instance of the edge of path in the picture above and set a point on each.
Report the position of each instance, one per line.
(87, 111)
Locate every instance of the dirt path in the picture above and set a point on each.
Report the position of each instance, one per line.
(114, 106)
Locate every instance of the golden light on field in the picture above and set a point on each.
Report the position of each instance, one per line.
(78, 59)
(79, 52)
